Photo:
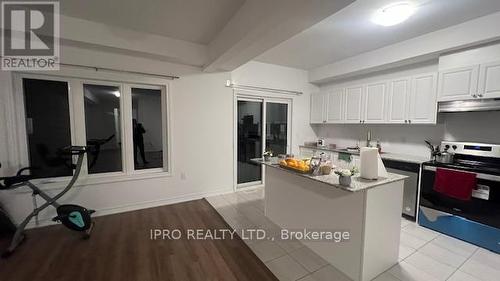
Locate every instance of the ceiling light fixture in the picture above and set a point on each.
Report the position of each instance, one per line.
(394, 13)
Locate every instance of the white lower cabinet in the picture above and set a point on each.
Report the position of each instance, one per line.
(306, 152)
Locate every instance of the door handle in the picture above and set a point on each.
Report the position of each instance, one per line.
(478, 175)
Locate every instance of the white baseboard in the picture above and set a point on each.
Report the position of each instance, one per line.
(140, 205)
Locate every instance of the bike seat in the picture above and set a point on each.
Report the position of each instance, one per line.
(8, 182)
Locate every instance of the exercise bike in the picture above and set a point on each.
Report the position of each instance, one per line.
(74, 217)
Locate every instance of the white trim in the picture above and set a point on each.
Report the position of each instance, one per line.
(77, 73)
(262, 89)
(54, 184)
(235, 141)
(251, 185)
(142, 205)
(10, 125)
(264, 140)
(241, 186)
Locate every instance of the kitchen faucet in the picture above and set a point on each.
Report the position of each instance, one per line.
(368, 138)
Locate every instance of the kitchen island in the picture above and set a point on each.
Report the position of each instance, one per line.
(369, 210)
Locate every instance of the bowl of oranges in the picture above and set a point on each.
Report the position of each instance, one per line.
(298, 165)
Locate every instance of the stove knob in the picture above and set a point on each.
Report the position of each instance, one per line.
(447, 147)
(454, 147)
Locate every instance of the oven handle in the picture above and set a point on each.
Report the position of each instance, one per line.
(479, 176)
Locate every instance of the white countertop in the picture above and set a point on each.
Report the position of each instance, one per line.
(383, 155)
(357, 183)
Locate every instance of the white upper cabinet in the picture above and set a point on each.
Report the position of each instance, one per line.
(398, 101)
(458, 83)
(423, 105)
(353, 104)
(406, 100)
(489, 80)
(318, 108)
(334, 112)
(375, 102)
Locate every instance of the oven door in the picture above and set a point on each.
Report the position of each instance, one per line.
(476, 220)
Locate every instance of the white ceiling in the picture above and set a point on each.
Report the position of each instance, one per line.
(350, 32)
(197, 21)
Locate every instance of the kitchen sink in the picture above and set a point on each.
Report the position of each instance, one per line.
(354, 151)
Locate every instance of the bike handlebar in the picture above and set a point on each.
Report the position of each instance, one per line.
(75, 150)
(14, 181)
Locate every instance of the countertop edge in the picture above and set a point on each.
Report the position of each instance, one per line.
(385, 155)
(369, 185)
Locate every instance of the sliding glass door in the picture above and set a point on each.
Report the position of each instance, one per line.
(250, 115)
(277, 127)
(262, 125)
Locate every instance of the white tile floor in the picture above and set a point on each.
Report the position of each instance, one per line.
(424, 255)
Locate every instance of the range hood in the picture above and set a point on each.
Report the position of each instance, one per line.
(470, 105)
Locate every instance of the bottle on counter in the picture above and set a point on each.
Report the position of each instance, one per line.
(379, 147)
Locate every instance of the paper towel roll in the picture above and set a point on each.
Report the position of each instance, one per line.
(369, 163)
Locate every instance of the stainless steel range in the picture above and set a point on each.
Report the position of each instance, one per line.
(471, 215)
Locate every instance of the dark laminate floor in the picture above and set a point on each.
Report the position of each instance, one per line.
(120, 249)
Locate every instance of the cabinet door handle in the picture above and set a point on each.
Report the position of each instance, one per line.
(474, 95)
(409, 121)
(406, 121)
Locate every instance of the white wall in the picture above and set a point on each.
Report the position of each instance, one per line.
(468, 57)
(472, 126)
(409, 139)
(202, 136)
(201, 126)
(394, 138)
(286, 78)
